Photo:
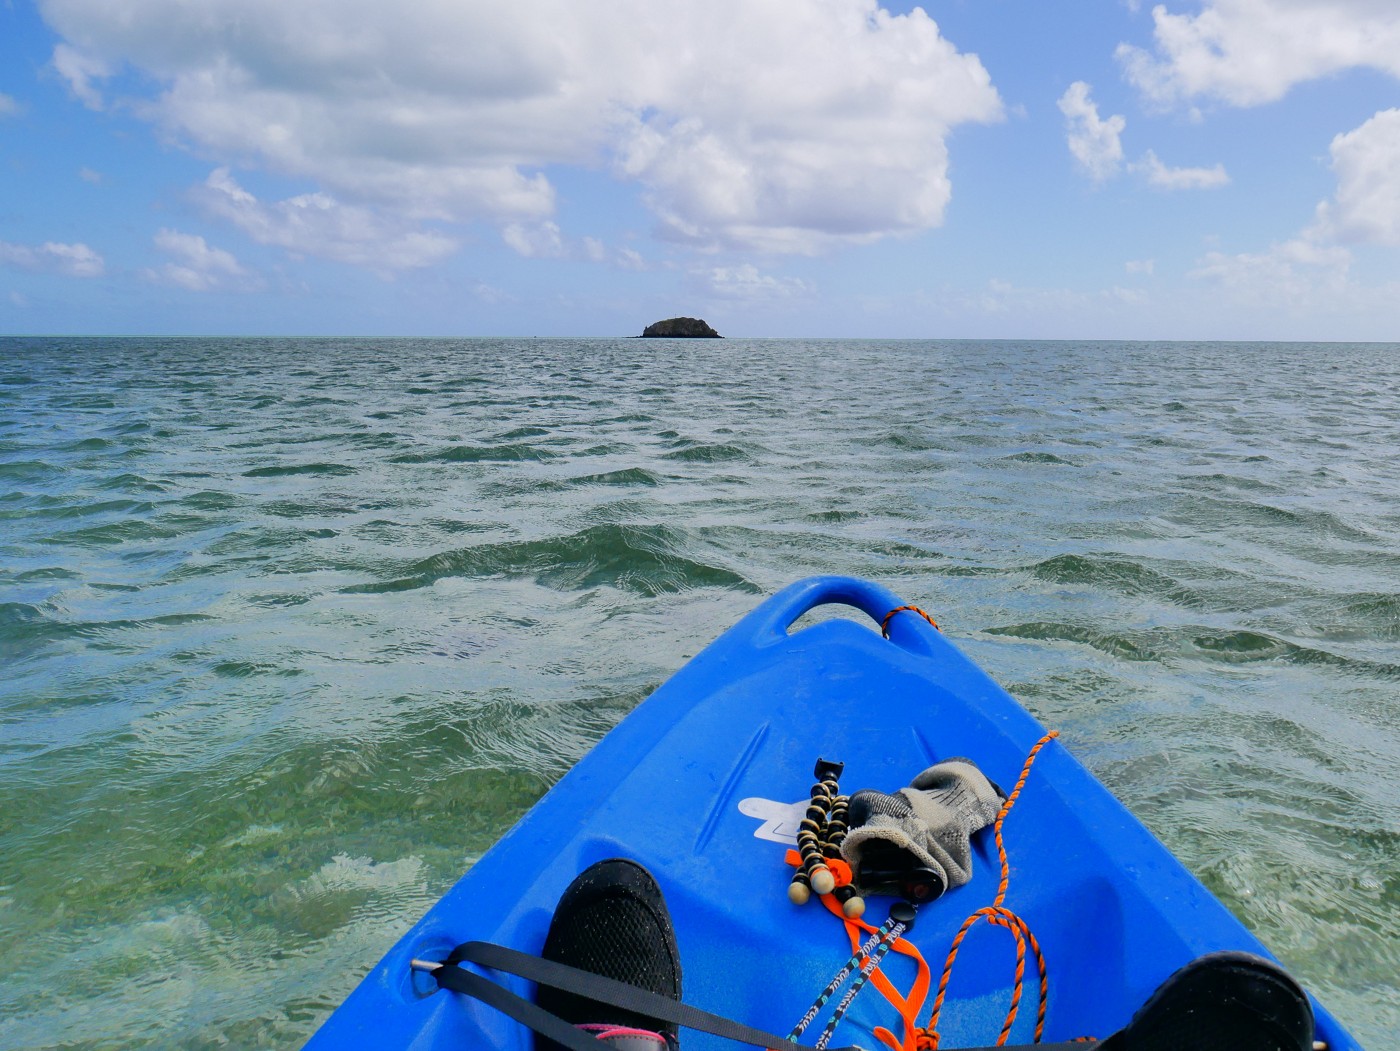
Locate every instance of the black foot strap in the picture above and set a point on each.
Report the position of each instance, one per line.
(585, 984)
(605, 990)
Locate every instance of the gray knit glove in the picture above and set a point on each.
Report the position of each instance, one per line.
(917, 843)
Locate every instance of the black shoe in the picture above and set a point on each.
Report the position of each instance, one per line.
(1224, 1001)
(613, 921)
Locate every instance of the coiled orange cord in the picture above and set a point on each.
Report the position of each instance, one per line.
(1000, 916)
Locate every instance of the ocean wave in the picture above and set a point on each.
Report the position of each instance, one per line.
(211, 500)
(1373, 614)
(1038, 458)
(27, 630)
(703, 453)
(112, 534)
(625, 476)
(641, 559)
(1169, 646)
(520, 433)
(1120, 575)
(325, 470)
(478, 454)
(62, 512)
(127, 482)
(24, 471)
(1239, 513)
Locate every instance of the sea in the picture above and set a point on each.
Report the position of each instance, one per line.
(292, 630)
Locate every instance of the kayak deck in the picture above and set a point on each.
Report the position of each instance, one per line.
(701, 784)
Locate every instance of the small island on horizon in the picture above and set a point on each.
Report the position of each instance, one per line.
(680, 328)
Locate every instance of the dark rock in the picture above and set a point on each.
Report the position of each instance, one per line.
(682, 328)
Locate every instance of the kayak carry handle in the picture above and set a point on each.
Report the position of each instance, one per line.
(770, 622)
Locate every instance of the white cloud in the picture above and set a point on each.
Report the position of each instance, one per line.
(88, 175)
(1366, 206)
(787, 125)
(1311, 273)
(198, 267)
(80, 70)
(1163, 178)
(745, 282)
(1011, 304)
(547, 241)
(1302, 288)
(490, 294)
(536, 241)
(1248, 52)
(316, 224)
(630, 259)
(1141, 266)
(1095, 143)
(9, 106)
(1294, 274)
(1097, 146)
(624, 258)
(72, 260)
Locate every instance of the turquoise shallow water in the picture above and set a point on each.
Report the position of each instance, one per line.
(291, 630)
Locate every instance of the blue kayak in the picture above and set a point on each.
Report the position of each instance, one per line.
(704, 784)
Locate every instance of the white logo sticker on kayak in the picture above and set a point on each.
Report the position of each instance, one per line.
(780, 820)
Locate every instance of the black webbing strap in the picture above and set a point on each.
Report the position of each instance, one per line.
(606, 990)
(590, 986)
(468, 983)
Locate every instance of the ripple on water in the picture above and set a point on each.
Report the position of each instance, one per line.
(478, 454)
(1167, 646)
(1037, 458)
(641, 559)
(325, 470)
(626, 476)
(1114, 574)
(703, 453)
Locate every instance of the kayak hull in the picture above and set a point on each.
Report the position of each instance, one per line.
(701, 784)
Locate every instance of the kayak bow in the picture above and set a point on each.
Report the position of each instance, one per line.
(704, 784)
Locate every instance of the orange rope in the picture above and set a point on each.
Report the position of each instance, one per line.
(998, 915)
(885, 624)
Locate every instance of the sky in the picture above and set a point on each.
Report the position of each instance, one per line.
(1001, 169)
